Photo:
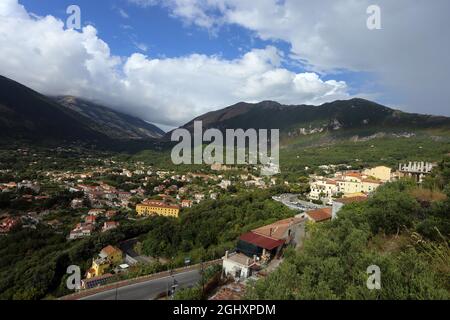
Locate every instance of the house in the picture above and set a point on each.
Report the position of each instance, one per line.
(186, 203)
(8, 224)
(286, 230)
(112, 254)
(238, 265)
(90, 219)
(109, 256)
(224, 184)
(159, 208)
(254, 244)
(319, 215)
(76, 203)
(323, 188)
(199, 197)
(81, 230)
(110, 214)
(109, 225)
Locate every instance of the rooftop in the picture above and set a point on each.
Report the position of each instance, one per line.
(320, 214)
(261, 240)
(278, 229)
(158, 204)
(109, 250)
(240, 258)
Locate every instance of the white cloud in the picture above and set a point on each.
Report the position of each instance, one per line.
(410, 55)
(123, 13)
(42, 54)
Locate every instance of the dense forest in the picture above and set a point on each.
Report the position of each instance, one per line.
(402, 229)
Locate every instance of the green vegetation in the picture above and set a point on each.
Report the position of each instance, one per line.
(34, 262)
(406, 238)
(205, 231)
(361, 154)
(209, 280)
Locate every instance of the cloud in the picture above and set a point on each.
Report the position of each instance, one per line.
(410, 55)
(123, 13)
(42, 54)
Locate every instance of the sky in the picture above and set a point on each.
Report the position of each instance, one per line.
(168, 61)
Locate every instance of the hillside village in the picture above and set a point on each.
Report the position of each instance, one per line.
(110, 194)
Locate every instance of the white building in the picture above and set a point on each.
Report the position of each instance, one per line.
(238, 265)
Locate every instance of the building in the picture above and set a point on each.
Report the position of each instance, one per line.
(224, 184)
(77, 203)
(323, 189)
(186, 203)
(108, 257)
(158, 208)
(381, 173)
(238, 265)
(287, 230)
(319, 215)
(8, 224)
(81, 230)
(90, 219)
(416, 170)
(254, 244)
(109, 225)
(346, 183)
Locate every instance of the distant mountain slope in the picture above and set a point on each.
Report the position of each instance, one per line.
(114, 124)
(26, 114)
(351, 115)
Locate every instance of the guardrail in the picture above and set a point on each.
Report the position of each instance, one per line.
(110, 286)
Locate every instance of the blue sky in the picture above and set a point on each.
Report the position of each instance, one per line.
(124, 26)
(168, 61)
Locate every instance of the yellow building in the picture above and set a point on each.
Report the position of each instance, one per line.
(158, 208)
(381, 173)
(108, 257)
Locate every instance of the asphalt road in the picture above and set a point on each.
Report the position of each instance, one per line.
(148, 290)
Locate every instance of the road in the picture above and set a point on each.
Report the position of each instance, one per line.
(148, 290)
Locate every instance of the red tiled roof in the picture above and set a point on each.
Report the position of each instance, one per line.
(159, 204)
(278, 229)
(320, 214)
(261, 241)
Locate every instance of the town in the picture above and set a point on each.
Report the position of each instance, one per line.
(104, 194)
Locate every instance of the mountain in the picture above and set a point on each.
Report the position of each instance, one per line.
(355, 116)
(28, 115)
(114, 124)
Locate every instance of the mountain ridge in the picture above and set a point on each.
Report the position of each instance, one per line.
(355, 113)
